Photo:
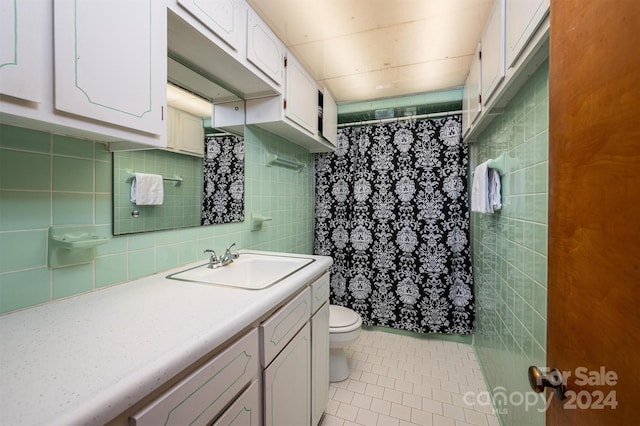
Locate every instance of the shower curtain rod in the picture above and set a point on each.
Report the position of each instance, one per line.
(410, 117)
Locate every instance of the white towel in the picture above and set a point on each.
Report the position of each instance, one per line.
(495, 202)
(480, 189)
(485, 190)
(147, 190)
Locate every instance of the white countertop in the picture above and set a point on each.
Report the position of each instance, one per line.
(86, 359)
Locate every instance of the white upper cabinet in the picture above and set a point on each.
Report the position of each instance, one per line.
(185, 132)
(513, 44)
(472, 105)
(301, 105)
(293, 116)
(225, 18)
(329, 118)
(523, 18)
(214, 42)
(493, 51)
(21, 49)
(264, 49)
(109, 68)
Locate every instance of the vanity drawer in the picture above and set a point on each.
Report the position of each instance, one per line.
(201, 396)
(319, 292)
(246, 410)
(280, 328)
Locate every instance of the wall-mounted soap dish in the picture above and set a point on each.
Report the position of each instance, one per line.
(257, 220)
(72, 245)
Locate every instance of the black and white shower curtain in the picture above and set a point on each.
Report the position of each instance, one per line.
(223, 193)
(392, 211)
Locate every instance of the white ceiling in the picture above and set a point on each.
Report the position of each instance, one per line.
(370, 49)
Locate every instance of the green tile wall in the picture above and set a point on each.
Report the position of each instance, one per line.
(182, 203)
(49, 180)
(510, 253)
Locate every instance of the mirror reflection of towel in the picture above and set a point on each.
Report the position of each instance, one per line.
(147, 190)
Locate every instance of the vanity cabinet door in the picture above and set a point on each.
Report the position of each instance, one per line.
(225, 18)
(264, 49)
(280, 328)
(22, 41)
(287, 384)
(320, 289)
(109, 68)
(319, 363)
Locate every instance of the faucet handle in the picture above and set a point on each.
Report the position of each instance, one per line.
(214, 256)
(231, 255)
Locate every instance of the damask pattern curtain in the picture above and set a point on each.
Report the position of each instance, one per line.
(392, 211)
(223, 194)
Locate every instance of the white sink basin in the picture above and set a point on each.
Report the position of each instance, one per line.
(250, 271)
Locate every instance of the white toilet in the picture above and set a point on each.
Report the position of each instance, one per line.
(344, 329)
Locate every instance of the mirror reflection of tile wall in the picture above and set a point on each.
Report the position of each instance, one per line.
(182, 203)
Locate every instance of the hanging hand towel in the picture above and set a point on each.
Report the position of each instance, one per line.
(495, 202)
(147, 190)
(480, 189)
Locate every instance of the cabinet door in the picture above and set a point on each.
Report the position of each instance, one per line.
(329, 118)
(109, 68)
(173, 124)
(224, 17)
(493, 51)
(471, 94)
(21, 44)
(191, 136)
(319, 363)
(264, 49)
(287, 384)
(301, 96)
(523, 18)
(283, 325)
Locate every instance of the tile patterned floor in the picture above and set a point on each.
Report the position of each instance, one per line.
(399, 380)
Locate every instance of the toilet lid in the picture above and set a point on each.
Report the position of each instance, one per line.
(339, 316)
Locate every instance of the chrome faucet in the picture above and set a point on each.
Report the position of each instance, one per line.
(213, 260)
(227, 258)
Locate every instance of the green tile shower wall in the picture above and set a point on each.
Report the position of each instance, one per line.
(49, 180)
(510, 253)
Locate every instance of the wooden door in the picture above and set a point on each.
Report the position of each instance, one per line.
(594, 217)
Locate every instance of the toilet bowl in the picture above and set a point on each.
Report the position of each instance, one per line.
(344, 330)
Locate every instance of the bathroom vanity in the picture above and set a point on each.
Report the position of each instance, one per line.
(165, 351)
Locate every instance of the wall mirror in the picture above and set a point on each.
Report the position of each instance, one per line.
(203, 189)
